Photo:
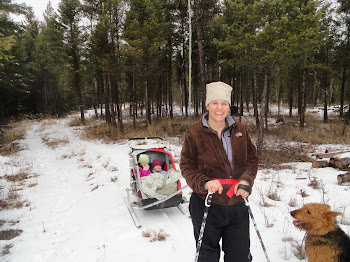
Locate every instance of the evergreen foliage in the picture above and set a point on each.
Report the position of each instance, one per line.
(116, 53)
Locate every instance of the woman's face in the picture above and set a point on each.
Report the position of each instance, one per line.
(218, 110)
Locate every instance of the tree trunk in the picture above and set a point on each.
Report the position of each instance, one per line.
(106, 94)
(247, 98)
(303, 102)
(170, 89)
(241, 96)
(232, 83)
(184, 77)
(112, 107)
(195, 89)
(325, 102)
(267, 104)
(148, 105)
(262, 115)
(255, 102)
(290, 100)
(197, 14)
(279, 98)
(95, 98)
(342, 90)
(77, 80)
(134, 107)
(320, 163)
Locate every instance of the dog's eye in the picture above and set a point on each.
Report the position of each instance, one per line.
(308, 212)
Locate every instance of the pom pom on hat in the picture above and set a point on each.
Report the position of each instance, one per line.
(143, 158)
(218, 90)
(156, 162)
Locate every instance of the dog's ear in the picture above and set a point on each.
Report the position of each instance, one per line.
(332, 214)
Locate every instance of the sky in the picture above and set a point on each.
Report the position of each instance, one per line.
(74, 207)
(39, 6)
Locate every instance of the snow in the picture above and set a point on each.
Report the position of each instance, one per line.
(74, 208)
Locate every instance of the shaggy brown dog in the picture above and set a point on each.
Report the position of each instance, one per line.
(325, 241)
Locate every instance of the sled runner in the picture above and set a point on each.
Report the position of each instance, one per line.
(154, 191)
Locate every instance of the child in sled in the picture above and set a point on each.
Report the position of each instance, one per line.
(159, 183)
(144, 166)
(157, 167)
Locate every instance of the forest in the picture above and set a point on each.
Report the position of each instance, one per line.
(152, 55)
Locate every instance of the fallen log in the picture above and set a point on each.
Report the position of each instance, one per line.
(343, 178)
(328, 155)
(340, 163)
(320, 163)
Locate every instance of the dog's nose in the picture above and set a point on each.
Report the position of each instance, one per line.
(292, 213)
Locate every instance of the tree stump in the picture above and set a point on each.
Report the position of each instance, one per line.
(343, 178)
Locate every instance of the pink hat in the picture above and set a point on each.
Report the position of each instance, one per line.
(156, 162)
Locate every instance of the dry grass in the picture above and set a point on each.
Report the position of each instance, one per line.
(54, 143)
(9, 234)
(12, 133)
(13, 200)
(77, 122)
(10, 149)
(13, 197)
(274, 157)
(6, 250)
(161, 235)
(163, 128)
(18, 177)
(48, 122)
(94, 188)
(315, 131)
(293, 202)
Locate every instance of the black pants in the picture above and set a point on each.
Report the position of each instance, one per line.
(229, 223)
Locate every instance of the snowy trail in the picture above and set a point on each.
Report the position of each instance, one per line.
(74, 209)
(77, 213)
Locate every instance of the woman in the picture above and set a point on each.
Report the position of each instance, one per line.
(218, 156)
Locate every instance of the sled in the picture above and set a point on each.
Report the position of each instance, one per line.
(141, 200)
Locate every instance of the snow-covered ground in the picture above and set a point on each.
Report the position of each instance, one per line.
(74, 209)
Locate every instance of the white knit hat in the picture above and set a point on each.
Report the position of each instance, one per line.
(218, 90)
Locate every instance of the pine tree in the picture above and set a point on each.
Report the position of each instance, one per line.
(145, 35)
(70, 15)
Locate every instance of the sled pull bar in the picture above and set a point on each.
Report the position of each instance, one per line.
(145, 138)
(162, 200)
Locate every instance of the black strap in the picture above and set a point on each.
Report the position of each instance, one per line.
(246, 188)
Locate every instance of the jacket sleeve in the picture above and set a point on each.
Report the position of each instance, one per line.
(144, 172)
(189, 164)
(251, 167)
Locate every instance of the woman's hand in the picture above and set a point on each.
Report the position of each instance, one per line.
(213, 186)
(242, 192)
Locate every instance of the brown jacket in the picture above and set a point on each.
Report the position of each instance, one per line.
(203, 157)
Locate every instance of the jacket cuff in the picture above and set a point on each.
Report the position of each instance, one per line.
(202, 184)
